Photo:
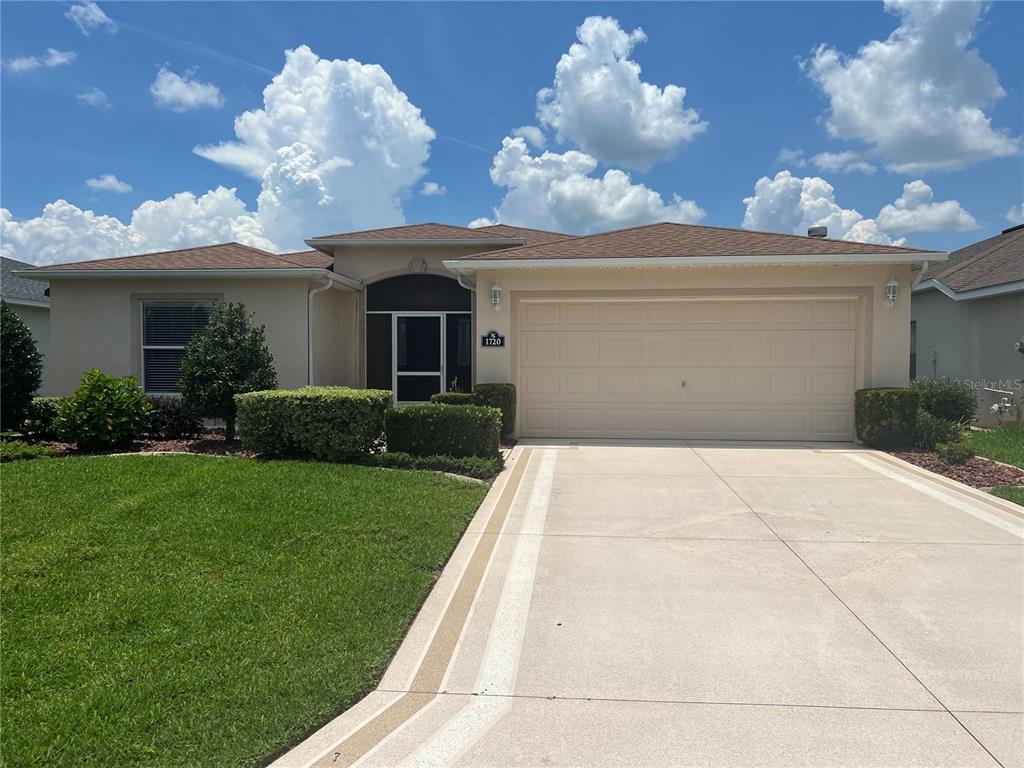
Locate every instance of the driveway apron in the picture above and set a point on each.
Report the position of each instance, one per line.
(711, 604)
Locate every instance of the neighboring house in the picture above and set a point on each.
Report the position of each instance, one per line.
(967, 319)
(660, 331)
(30, 300)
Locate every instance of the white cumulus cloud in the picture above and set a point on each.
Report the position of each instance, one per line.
(788, 203)
(842, 162)
(181, 94)
(557, 191)
(433, 189)
(919, 96)
(599, 102)
(533, 135)
(108, 182)
(88, 16)
(52, 58)
(915, 211)
(1015, 215)
(336, 146)
(94, 97)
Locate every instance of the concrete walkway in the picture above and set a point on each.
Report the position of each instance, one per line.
(710, 605)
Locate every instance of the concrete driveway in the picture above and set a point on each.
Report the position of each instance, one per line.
(710, 605)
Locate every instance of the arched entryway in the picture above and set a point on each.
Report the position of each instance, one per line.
(419, 336)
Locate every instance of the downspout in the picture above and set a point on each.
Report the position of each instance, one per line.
(309, 325)
(471, 287)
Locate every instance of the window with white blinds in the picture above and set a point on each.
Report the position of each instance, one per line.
(167, 327)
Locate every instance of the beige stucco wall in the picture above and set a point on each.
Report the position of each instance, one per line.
(970, 341)
(37, 319)
(886, 332)
(96, 323)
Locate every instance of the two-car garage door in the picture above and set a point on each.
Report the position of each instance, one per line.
(721, 368)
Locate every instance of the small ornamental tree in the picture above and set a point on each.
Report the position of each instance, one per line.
(225, 359)
(21, 368)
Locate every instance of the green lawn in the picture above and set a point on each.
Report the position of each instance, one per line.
(192, 610)
(1005, 444)
(1014, 493)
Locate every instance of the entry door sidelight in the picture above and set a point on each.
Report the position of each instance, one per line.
(419, 357)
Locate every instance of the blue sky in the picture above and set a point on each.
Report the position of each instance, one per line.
(473, 70)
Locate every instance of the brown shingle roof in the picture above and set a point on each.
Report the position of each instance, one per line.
(681, 240)
(427, 231)
(314, 259)
(218, 256)
(991, 262)
(531, 236)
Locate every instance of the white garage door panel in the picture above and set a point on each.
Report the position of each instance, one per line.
(722, 368)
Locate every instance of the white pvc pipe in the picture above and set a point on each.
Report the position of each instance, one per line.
(309, 325)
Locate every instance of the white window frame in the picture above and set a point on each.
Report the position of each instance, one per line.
(143, 346)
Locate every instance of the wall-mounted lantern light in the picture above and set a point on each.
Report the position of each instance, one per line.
(892, 292)
(496, 297)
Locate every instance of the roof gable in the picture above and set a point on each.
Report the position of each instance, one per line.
(14, 288)
(995, 261)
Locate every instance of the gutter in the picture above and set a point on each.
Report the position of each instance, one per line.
(120, 274)
(1017, 286)
(27, 303)
(470, 265)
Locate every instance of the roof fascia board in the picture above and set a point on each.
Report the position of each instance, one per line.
(27, 302)
(321, 242)
(1017, 286)
(59, 274)
(457, 265)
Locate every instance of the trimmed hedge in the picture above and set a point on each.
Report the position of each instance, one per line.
(454, 398)
(502, 397)
(326, 423)
(172, 418)
(946, 399)
(41, 418)
(443, 430)
(886, 417)
(105, 412)
(480, 467)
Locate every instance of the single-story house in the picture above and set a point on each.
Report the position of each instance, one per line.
(967, 319)
(30, 300)
(658, 331)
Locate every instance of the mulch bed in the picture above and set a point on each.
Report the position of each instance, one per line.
(210, 443)
(977, 472)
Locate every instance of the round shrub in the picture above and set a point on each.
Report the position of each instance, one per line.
(946, 399)
(105, 412)
(931, 431)
(886, 417)
(502, 397)
(21, 367)
(956, 452)
(172, 418)
(443, 430)
(41, 418)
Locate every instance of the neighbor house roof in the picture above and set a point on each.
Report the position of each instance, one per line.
(501, 234)
(18, 289)
(993, 262)
(684, 240)
(220, 256)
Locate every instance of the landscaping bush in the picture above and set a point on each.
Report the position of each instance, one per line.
(15, 450)
(957, 452)
(21, 368)
(172, 418)
(326, 423)
(41, 417)
(886, 417)
(480, 467)
(501, 396)
(228, 357)
(931, 431)
(443, 430)
(946, 399)
(454, 398)
(105, 412)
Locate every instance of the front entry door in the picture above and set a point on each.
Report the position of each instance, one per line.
(418, 346)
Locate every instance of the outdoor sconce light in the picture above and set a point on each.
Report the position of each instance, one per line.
(892, 291)
(496, 297)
